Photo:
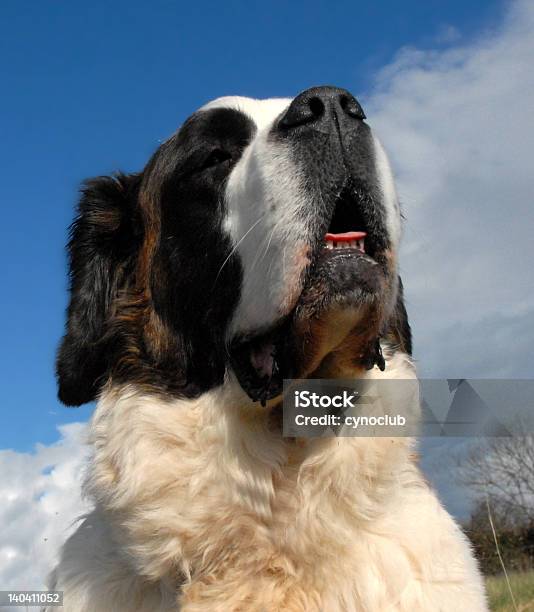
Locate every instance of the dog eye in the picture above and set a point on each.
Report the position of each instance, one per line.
(216, 157)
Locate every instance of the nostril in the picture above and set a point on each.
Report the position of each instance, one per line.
(351, 106)
(303, 110)
(316, 106)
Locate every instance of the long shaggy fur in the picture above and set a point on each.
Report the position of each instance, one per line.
(201, 505)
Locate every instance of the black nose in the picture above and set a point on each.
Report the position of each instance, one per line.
(318, 104)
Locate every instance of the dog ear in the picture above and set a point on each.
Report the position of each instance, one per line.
(104, 238)
(399, 332)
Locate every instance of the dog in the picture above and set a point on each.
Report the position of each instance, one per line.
(260, 243)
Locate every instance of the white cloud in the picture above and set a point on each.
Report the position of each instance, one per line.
(39, 501)
(459, 127)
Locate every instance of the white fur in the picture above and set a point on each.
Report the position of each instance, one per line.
(203, 493)
(389, 194)
(265, 200)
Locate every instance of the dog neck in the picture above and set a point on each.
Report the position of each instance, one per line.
(184, 465)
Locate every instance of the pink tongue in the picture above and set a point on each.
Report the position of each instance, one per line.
(346, 237)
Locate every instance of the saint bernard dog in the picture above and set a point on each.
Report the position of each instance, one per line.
(259, 243)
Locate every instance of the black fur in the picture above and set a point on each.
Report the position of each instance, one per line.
(334, 148)
(182, 188)
(193, 292)
(399, 332)
(104, 239)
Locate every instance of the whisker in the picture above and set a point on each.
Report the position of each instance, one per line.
(268, 244)
(257, 258)
(235, 248)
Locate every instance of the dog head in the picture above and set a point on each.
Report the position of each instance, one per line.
(257, 239)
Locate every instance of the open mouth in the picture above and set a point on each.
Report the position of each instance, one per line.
(343, 274)
(346, 240)
(349, 227)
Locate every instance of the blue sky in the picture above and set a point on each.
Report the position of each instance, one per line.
(89, 88)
